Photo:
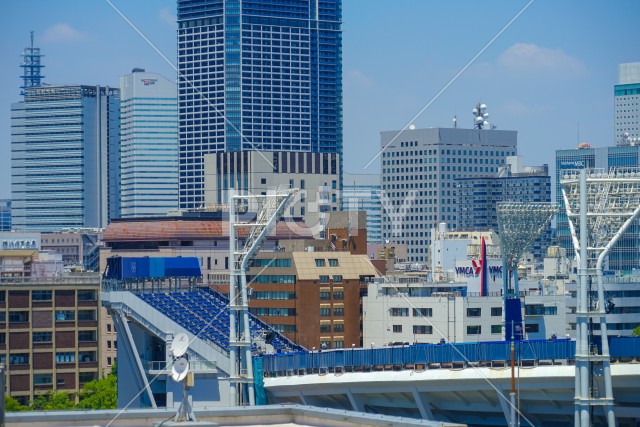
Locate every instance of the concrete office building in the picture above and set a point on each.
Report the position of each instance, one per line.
(477, 197)
(316, 175)
(408, 309)
(625, 255)
(49, 328)
(256, 76)
(65, 157)
(419, 172)
(149, 144)
(363, 192)
(627, 104)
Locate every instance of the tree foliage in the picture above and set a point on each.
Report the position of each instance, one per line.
(99, 394)
(636, 331)
(12, 405)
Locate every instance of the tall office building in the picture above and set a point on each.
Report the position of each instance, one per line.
(362, 192)
(419, 171)
(148, 144)
(477, 197)
(5, 214)
(256, 75)
(65, 157)
(627, 104)
(625, 255)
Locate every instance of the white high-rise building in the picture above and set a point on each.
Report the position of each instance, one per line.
(419, 171)
(149, 144)
(627, 104)
(362, 192)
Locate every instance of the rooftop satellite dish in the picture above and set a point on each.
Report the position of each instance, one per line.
(180, 369)
(179, 345)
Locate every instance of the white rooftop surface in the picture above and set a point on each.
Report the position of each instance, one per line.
(256, 416)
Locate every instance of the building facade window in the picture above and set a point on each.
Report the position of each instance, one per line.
(422, 312)
(474, 312)
(399, 312)
(422, 329)
(397, 329)
(474, 330)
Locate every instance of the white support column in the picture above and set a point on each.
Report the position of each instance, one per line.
(423, 406)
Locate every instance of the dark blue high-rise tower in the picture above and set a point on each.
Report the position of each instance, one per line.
(256, 75)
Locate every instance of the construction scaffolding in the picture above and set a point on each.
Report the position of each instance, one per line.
(270, 208)
(601, 205)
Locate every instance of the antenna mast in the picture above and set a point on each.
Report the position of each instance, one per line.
(31, 67)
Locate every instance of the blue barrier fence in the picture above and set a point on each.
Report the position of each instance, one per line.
(422, 354)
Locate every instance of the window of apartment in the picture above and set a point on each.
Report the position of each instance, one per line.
(108, 344)
(3, 338)
(3, 296)
(326, 327)
(86, 315)
(42, 337)
(474, 330)
(338, 344)
(320, 263)
(302, 184)
(397, 328)
(41, 295)
(325, 311)
(422, 312)
(86, 336)
(3, 316)
(324, 279)
(263, 180)
(65, 315)
(85, 377)
(18, 316)
(474, 312)
(65, 357)
(337, 278)
(87, 295)
(333, 263)
(399, 312)
(43, 379)
(325, 295)
(338, 295)
(338, 311)
(19, 359)
(540, 310)
(496, 311)
(108, 327)
(325, 344)
(496, 329)
(108, 361)
(532, 328)
(422, 329)
(86, 356)
(338, 327)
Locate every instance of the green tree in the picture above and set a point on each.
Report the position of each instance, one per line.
(12, 405)
(52, 401)
(636, 331)
(99, 394)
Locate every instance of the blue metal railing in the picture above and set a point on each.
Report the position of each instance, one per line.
(423, 354)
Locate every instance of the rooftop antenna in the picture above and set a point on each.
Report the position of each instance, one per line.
(455, 121)
(180, 373)
(480, 116)
(31, 67)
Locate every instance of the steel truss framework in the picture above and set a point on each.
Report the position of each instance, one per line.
(519, 225)
(270, 208)
(601, 205)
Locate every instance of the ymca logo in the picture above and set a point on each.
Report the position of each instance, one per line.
(477, 264)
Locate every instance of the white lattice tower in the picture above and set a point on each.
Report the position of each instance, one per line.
(601, 205)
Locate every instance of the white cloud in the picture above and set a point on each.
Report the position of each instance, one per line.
(530, 58)
(359, 78)
(168, 18)
(62, 33)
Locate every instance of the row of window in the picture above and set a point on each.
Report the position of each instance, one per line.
(326, 311)
(337, 295)
(60, 316)
(47, 295)
(336, 327)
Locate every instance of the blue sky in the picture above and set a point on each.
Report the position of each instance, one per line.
(550, 75)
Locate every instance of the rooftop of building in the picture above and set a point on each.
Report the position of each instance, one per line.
(183, 228)
(350, 267)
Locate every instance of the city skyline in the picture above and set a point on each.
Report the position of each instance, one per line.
(579, 47)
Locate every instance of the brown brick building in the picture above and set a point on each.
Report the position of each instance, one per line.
(49, 333)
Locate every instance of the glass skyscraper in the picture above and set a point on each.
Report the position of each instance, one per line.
(65, 157)
(256, 75)
(149, 144)
(362, 192)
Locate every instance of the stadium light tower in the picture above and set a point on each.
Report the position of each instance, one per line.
(601, 205)
(519, 225)
(272, 206)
